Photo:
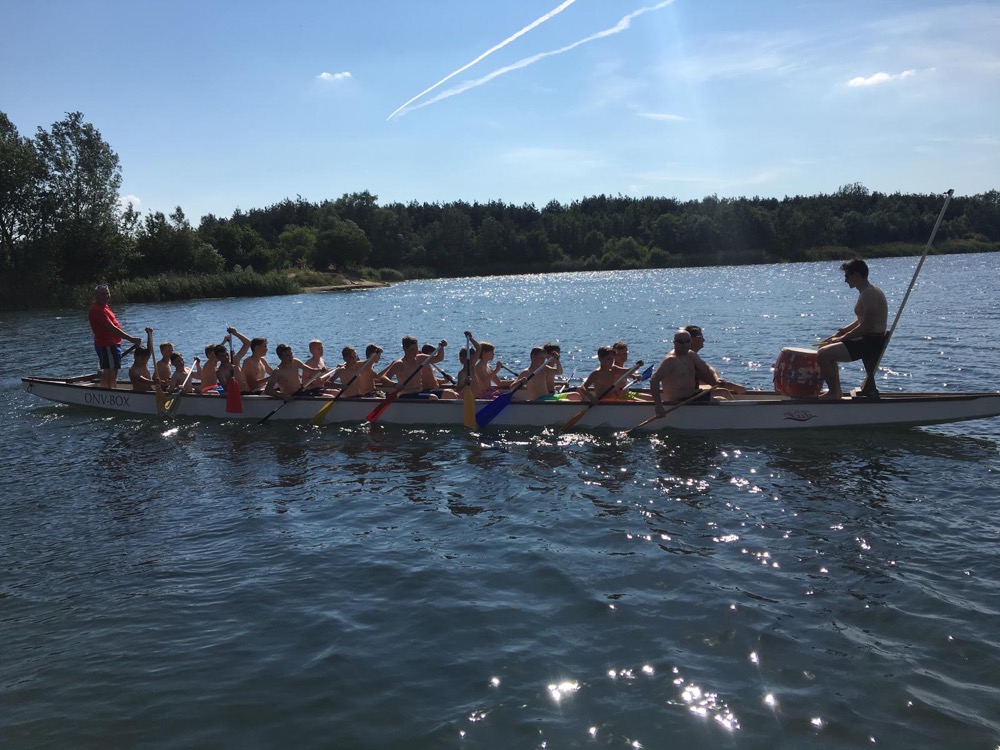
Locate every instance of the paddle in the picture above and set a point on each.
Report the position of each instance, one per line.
(234, 399)
(390, 398)
(678, 405)
(869, 383)
(468, 395)
(579, 415)
(171, 405)
(95, 375)
(318, 418)
(490, 412)
(444, 375)
(313, 379)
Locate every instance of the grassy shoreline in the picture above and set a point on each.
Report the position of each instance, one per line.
(248, 283)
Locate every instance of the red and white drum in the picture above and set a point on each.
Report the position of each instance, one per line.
(796, 373)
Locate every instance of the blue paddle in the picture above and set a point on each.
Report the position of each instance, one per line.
(489, 412)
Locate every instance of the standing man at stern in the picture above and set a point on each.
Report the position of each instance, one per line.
(108, 335)
(864, 338)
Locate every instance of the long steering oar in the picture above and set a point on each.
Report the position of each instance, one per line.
(678, 405)
(171, 405)
(313, 379)
(871, 374)
(489, 412)
(579, 415)
(95, 375)
(234, 399)
(318, 418)
(468, 395)
(390, 398)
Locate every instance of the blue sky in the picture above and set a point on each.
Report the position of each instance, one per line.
(214, 106)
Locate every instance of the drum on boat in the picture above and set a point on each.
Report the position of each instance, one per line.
(796, 373)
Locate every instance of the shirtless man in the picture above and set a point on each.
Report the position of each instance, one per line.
(357, 377)
(285, 381)
(697, 342)
(163, 364)
(862, 339)
(676, 378)
(138, 373)
(408, 364)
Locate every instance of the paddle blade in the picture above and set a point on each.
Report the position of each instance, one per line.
(575, 418)
(489, 412)
(377, 411)
(469, 410)
(234, 400)
(318, 417)
(161, 402)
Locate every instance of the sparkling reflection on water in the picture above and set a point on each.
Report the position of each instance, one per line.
(201, 584)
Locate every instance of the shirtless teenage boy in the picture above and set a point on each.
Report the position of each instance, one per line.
(255, 370)
(863, 339)
(408, 364)
(285, 381)
(603, 378)
(138, 373)
(356, 376)
(163, 364)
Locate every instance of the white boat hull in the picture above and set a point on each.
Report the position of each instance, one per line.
(755, 411)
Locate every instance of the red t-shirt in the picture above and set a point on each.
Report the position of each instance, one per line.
(100, 315)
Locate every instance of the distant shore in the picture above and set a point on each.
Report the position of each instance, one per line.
(350, 286)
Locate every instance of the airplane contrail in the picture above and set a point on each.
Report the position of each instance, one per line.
(619, 27)
(537, 22)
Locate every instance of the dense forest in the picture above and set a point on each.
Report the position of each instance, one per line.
(62, 228)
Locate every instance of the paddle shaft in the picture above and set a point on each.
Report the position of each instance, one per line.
(489, 412)
(895, 321)
(169, 409)
(579, 415)
(317, 375)
(326, 407)
(678, 405)
(468, 395)
(377, 411)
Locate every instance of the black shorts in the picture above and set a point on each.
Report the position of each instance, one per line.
(866, 346)
(109, 357)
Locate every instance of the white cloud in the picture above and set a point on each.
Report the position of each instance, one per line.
(125, 200)
(334, 77)
(879, 78)
(663, 116)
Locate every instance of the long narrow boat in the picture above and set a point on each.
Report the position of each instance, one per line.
(757, 410)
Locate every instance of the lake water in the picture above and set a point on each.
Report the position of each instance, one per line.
(185, 584)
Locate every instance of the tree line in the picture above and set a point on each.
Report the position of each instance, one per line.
(63, 227)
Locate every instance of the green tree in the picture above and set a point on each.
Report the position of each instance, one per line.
(79, 215)
(343, 245)
(19, 171)
(296, 245)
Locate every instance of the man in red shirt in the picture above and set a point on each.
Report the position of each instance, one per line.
(108, 335)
